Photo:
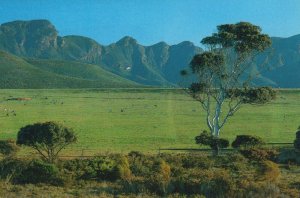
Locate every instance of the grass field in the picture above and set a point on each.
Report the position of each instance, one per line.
(121, 120)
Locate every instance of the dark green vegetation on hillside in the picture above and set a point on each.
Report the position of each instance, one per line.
(156, 65)
(122, 120)
(16, 72)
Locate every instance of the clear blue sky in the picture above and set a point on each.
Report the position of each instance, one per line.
(151, 21)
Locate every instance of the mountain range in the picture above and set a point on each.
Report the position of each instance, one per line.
(33, 55)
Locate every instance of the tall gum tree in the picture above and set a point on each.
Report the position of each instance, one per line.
(224, 80)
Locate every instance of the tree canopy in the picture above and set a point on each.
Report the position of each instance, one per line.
(224, 72)
(48, 138)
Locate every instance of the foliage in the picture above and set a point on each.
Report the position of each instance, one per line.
(297, 140)
(18, 72)
(8, 147)
(214, 142)
(259, 95)
(39, 172)
(269, 171)
(210, 183)
(165, 175)
(289, 156)
(247, 141)
(47, 138)
(224, 75)
(11, 168)
(109, 168)
(259, 154)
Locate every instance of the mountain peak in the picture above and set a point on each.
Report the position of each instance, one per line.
(186, 43)
(161, 44)
(21, 22)
(126, 40)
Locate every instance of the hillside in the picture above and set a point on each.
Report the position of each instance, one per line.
(155, 65)
(16, 72)
(285, 63)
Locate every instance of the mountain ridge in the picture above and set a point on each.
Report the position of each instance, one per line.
(155, 65)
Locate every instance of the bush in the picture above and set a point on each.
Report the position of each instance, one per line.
(109, 168)
(210, 183)
(38, 171)
(233, 162)
(101, 168)
(297, 140)
(123, 168)
(256, 154)
(10, 168)
(289, 156)
(197, 161)
(247, 141)
(269, 171)
(142, 165)
(156, 182)
(8, 147)
(215, 143)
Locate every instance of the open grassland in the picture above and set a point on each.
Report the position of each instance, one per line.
(121, 120)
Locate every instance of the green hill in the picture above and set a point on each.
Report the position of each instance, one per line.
(16, 72)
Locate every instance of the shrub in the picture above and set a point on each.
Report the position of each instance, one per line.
(10, 168)
(289, 156)
(297, 140)
(197, 161)
(123, 168)
(210, 183)
(142, 165)
(39, 172)
(269, 171)
(8, 147)
(109, 168)
(260, 189)
(247, 141)
(233, 161)
(215, 143)
(257, 154)
(101, 168)
(155, 182)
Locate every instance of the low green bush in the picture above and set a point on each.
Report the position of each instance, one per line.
(247, 141)
(38, 171)
(11, 168)
(297, 140)
(215, 143)
(289, 156)
(109, 168)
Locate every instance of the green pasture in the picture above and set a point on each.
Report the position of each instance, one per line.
(121, 120)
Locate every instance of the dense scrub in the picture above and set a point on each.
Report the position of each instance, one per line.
(182, 174)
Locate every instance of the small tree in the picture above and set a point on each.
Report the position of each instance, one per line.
(215, 143)
(247, 141)
(297, 140)
(225, 71)
(48, 138)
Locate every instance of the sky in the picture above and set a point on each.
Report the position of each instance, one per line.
(152, 21)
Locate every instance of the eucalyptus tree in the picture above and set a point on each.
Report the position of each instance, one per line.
(224, 75)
